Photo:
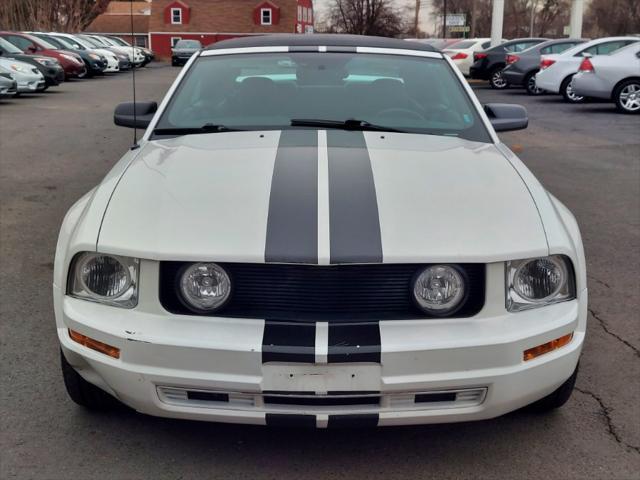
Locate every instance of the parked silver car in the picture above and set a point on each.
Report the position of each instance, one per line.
(615, 76)
(29, 78)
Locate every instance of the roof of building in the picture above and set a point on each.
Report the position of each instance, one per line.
(318, 40)
(124, 8)
(119, 24)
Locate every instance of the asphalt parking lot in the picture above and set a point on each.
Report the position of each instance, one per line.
(56, 146)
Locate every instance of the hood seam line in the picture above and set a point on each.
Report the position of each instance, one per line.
(526, 185)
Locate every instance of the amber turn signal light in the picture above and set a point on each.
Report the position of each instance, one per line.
(94, 344)
(534, 352)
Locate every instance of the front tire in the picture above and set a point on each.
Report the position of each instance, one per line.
(566, 89)
(557, 398)
(496, 80)
(84, 393)
(627, 97)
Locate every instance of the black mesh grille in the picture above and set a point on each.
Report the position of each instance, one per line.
(321, 293)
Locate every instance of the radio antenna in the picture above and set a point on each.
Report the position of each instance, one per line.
(133, 69)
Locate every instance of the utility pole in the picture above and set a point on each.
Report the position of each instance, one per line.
(444, 20)
(497, 17)
(534, 5)
(416, 23)
(472, 33)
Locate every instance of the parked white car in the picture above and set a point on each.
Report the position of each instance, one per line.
(324, 231)
(462, 52)
(135, 54)
(557, 71)
(112, 61)
(613, 77)
(28, 77)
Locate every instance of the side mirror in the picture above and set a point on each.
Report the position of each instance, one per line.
(506, 116)
(144, 111)
(32, 49)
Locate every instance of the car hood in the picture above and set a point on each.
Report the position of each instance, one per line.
(185, 50)
(321, 197)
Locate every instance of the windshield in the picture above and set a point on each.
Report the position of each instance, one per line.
(269, 90)
(70, 43)
(188, 44)
(107, 41)
(119, 41)
(53, 41)
(95, 42)
(44, 43)
(87, 43)
(9, 47)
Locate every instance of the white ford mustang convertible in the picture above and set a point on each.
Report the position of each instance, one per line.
(320, 231)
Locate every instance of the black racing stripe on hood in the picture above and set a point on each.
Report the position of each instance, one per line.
(354, 224)
(292, 224)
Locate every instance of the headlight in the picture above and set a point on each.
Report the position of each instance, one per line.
(109, 279)
(204, 287)
(440, 289)
(68, 57)
(94, 56)
(17, 68)
(537, 282)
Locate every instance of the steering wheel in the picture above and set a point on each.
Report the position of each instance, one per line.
(400, 112)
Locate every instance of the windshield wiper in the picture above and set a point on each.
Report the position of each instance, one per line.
(349, 124)
(206, 128)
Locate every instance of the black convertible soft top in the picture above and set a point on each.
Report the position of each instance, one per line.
(319, 40)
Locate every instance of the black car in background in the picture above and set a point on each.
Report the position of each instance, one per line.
(182, 51)
(488, 64)
(94, 63)
(49, 67)
(522, 67)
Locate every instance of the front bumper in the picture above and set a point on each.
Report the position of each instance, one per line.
(54, 76)
(30, 86)
(74, 70)
(480, 359)
(180, 59)
(9, 91)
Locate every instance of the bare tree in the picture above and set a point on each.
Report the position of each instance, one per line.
(57, 15)
(548, 16)
(604, 17)
(367, 17)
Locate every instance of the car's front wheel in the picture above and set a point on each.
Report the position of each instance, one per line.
(84, 393)
(569, 94)
(496, 80)
(627, 96)
(557, 398)
(530, 84)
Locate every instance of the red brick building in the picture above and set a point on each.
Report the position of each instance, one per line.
(210, 21)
